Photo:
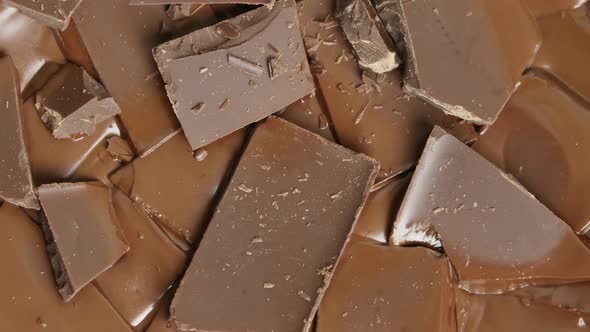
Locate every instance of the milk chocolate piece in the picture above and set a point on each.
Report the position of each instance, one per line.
(491, 313)
(276, 234)
(571, 297)
(368, 113)
(55, 13)
(73, 48)
(440, 48)
(177, 189)
(267, 73)
(29, 299)
(161, 322)
(209, 2)
(135, 284)
(496, 234)
(122, 57)
(380, 288)
(72, 103)
(16, 183)
(119, 149)
(309, 113)
(364, 30)
(541, 8)
(180, 11)
(541, 114)
(84, 238)
(32, 47)
(561, 57)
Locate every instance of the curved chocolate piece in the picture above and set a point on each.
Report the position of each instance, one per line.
(55, 13)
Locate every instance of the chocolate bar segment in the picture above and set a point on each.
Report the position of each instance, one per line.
(496, 234)
(84, 238)
(276, 234)
(444, 57)
(72, 103)
(55, 13)
(366, 33)
(241, 84)
(16, 183)
(380, 288)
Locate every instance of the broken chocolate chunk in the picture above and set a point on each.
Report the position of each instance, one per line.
(55, 13)
(496, 234)
(229, 99)
(366, 33)
(119, 149)
(276, 234)
(84, 238)
(72, 103)
(16, 183)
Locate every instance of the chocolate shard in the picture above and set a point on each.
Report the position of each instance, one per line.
(491, 313)
(380, 288)
(276, 234)
(542, 113)
(366, 33)
(208, 2)
(501, 33)
(84, 238)
(55, 13)
(16, 183)
(32, 47)
(496, 234)
(233, 80)
(31, 301)
(72, 103)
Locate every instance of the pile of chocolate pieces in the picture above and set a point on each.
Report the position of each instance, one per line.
(286, 166)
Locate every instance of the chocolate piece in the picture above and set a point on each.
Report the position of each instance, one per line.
(72, 103)
(16, 183)
(55, 13)
(98, 164)
(119, 149)
(209, 2)
(73, 48)
(135, 284)
(308, 112)
(129, 73)
(380, 288)
(161, 322)
(381, 207)
(180, 11)
(491, 313)
(177, 189)
(541, 8)
(561, 57)
(571, 297)
(271, 67)
(364, 30)
(83, 233)
(30, 301)
(275, 235)
(541, 114)
(497, 235)
(440, 48)
(32, 47)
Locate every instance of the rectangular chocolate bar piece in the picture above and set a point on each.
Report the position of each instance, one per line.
(55, 13)
(218, 92)
(83, 233)
(16, 183)
(267, 256)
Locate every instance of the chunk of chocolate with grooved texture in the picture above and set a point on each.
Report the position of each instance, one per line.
(55, 13)
(366, 33)
(84, 238)
(16, 183)
(496, 234)
(218, 92)
(72, 103)
(440, 47)
(276, 234)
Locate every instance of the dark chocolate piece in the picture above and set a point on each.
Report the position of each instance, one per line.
(276, 234)
(176, 188)
(208, 2)
(444, 64)
(541, 114)
(32, 47)
(55, 13)
(492, 313)
(16, 183)
(366, 33)
(72, 103)
(496, 234)
(30, 301)
(136, 283)
(241, 84)
(380, 288)
(84, 238)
